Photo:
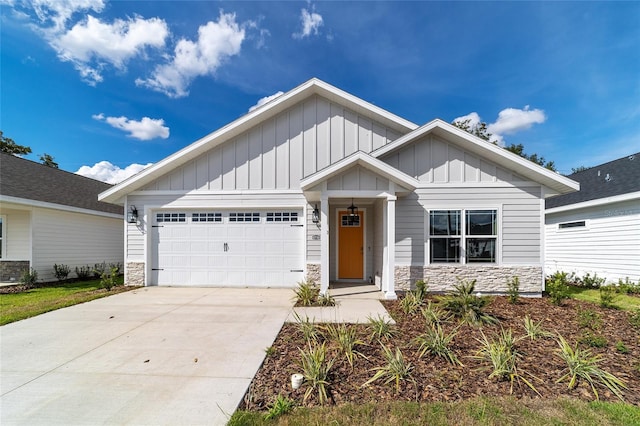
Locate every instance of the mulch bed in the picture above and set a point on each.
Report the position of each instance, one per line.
(437, 380)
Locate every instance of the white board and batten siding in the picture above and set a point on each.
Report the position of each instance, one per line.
(278, 153)
(608, 244)
(73, 239)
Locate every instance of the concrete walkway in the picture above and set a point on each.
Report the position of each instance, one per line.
(154, 356)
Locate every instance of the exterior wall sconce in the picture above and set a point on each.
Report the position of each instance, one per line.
(315, 215)
(353, 213)
(132, 215)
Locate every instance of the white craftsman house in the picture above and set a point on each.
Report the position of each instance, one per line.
(50, 216)
(319, 184)
(597, 230)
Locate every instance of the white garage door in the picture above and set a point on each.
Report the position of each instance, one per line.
(257, 248)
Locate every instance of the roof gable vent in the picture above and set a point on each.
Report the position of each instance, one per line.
(607, 177)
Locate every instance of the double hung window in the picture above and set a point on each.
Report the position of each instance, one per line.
(463, 236)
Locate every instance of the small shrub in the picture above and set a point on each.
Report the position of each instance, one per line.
(99, 269)
(117, 266)
(61, 271)
(270, 351)
(306, 293)
(628, 287)
(326, 300)
(607, 296)
(436, 342)
(581, 364)
(281, 405)
(346, 339)
(513, 289)
(534, 330)
(434, 314)
(464, 305)
(634, 319)
(29, 278)
(315, 369)
(84, 273)
(557, 289)
(621, 347)
(594, 340)
(108, 279)
(410, 303)
(397, 369)
(421, 289)
(589, 319)
(380, 328)
(309, 330)
(589, 281)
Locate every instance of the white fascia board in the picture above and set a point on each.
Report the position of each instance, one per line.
(555, 181)
(244, 123)
(360, 158)
(43, 204)
(594, 203)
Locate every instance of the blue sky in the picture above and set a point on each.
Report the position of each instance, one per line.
(107, 87)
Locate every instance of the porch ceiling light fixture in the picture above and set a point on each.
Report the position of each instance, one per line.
(315, 215)
(132, 215)
(353, 212)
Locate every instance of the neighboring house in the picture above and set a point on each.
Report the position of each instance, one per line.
(264, 201)
(50, 216)
(597, 230)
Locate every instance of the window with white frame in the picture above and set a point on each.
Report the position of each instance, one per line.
(171, 217)
(244, 217)
(282, 216)
(3, 224)
(457, 236)
(206, 217)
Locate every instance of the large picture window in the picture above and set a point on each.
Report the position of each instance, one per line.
(457, 236)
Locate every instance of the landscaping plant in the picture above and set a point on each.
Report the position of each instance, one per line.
(315, 369)
(306, 293)
(534, 330)
(381, 328)
(557, 288)
(634, 319)
(421, 289)
(433, 314)
(621, 347)
(281, 405)
(581, 364)
(513, 289)
(108, 279)
(607, 296)
(397, 369)
(411, 303)
(346, 339)
(84, 273)
(326, 300)
(29, 278)
(309, 330)
(436, 342)
(628, 287)
(588, 281)
(464, 305)
(61, 271)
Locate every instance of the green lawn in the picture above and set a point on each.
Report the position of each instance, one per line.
(621, 301)
(478, 411)
(17, 306)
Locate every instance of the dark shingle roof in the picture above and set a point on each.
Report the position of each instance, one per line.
(616, 177)
(33, 181)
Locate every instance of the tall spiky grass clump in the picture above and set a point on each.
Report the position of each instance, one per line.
(380, 328)
(315, 368)
(436, 342)
(464, 305)
(346, 339)
(396, 370)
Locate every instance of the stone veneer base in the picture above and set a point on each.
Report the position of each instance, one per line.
(134, 273)
(313, 272)
(490, 279)
(12, 270)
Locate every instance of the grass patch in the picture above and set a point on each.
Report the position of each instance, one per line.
(36, 301)
(477, 411)
(622, 301)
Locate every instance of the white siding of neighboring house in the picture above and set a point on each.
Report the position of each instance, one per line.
(73, 239)
(609, 244)
(18, 234)
(278, 153)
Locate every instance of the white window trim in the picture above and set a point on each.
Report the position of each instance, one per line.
(463, 236)
(3, 241)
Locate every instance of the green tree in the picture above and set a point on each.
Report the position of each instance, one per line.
(579, 169)
(10, 147)
(47, 160)
(535, 158)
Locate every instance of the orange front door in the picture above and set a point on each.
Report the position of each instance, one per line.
(350, 246)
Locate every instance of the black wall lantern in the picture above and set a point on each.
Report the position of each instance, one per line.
(353, 213)
(132, 215)
(315, 215)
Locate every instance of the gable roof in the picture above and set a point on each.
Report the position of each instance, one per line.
(244, 123)
(504, 158)
(22, 180)
(615, 178)
(368, 162)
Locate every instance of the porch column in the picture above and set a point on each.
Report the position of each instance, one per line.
(390, 261)
(324, 244)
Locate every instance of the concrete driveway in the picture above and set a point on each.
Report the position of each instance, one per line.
(146, 357)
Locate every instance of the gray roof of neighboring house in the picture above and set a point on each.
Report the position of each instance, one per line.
(617, 177)
(26, 179)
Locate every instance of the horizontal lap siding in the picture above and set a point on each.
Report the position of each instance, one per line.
(74, 239)
(520, 220)
(608, 245)
(279, 152)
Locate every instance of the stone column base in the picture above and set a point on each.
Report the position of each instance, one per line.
(134, 273)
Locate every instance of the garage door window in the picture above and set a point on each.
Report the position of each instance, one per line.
(171, 217)
(282, 216)
(244, 217)
(206, 217)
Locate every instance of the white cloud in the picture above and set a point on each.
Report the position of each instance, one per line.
(144, 130)
(264, 100)
(311, 23)
(216, 42)
(91, 44)
(107, 172)
(510, 120)
(56, 13)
